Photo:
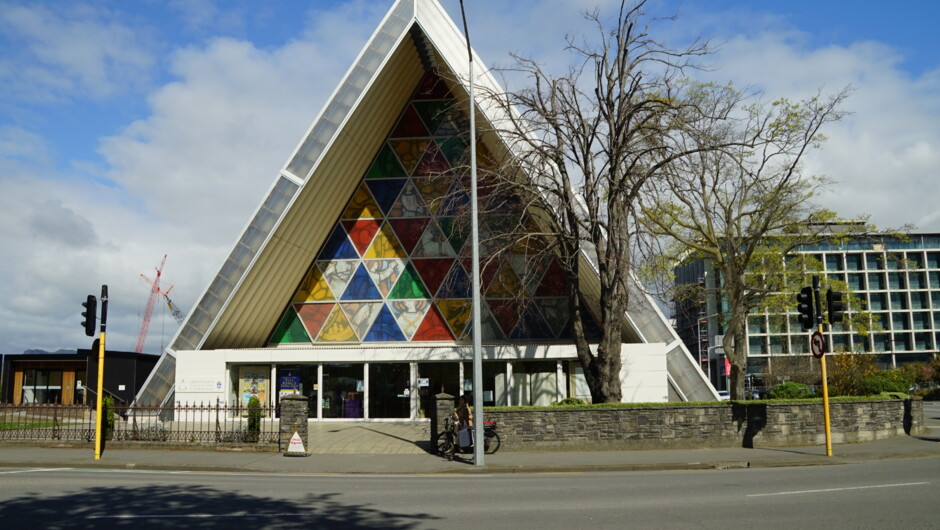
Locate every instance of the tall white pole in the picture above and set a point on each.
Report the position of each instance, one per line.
(475, 242)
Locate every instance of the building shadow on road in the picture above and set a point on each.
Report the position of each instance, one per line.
(177, 506)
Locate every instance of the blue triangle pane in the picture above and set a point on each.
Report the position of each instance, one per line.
(361, 286)
(385, 192)
(338, 246)
(384, 329)
(456, 285)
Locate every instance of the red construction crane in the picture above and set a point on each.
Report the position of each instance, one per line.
(148, 312)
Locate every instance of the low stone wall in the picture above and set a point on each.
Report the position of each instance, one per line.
(752, 424)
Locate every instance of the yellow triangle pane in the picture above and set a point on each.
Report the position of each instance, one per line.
(314, 288)
(362, 205)
(337, 328)
(409, 152)
(456, 313)
(505, 284)
(385, 245)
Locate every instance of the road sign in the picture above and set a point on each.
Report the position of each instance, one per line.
(818, 345)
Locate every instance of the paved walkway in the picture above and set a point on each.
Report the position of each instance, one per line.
(401, 448)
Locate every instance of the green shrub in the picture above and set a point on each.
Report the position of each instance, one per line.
(569, 402)
(932, 395)
(254, 420)
(885, 381)
(789, 390)
(107, 415)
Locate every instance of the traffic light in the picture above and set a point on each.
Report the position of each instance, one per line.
(835, 306)
(90, 313)
(805, 307)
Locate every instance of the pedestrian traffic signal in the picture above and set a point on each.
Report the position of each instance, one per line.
(835, 306)
(90, 313)
(805, 307)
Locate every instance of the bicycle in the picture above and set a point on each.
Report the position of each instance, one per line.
(447, 440)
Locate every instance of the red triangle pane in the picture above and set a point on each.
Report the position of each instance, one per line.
(433, 163)
(554, 282)
(409, 231)
(433, 327)
(432, 87)
(506, 312)
(488, 268)
(361, 232)
(313, 316)
(433, 271)
(410, 125)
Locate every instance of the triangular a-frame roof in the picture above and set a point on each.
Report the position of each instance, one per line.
(245, 300)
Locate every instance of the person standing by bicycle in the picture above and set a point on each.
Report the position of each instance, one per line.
(463, 417)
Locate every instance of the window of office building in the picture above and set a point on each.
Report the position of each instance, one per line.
(898, 301)
(853, 262)
(916, 280)
(857, 282)
(896, 280)
(874, 262)
(877, 302)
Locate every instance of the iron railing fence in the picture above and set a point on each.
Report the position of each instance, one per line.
(182, 423)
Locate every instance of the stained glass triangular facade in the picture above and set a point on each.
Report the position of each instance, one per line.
(395, 267)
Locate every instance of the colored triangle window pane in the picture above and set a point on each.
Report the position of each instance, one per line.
(454, 150)
(385, 245)
(433, 112)
(409, 231)
(337, 273)
(386, 191)
(361, 287)
(554, 282)
(409, 203)
(556, 312)
(530, 269)
(409, 285)
(531, 326)
(337, 328)
(455, 122)
(433, 190)
(384, 329)
(506, 313)
(361, 232)
(489, 329)
(338, 246)
(409, 314)
(488, 268)
(432, 164)
(433, 271)
(314, 288)
(457, 313)
(386, 165)
(505, 284)
(456, 229)
(362, 205)
(409, 125)
(432, 87)
(313, 316)
(433, 244)
(290, 329)
(456, 285)
(456, 202)
(433, 327)
(385, 272)
(409, 152)
(361, 315)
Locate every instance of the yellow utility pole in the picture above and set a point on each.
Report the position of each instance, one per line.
(101, 349)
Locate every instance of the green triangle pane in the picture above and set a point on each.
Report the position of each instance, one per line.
(432, 112)
(409, 285)
(290, 329)
(457, 230)
(386, 166)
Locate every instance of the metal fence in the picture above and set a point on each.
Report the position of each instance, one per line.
(186, 423)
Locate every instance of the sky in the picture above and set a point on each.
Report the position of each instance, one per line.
(134, 130)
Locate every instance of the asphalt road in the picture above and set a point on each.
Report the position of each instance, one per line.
(899, 494)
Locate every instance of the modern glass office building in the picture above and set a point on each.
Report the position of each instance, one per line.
(351, 283)
(897, 278)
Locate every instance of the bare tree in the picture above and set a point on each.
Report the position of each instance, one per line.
(580, 150)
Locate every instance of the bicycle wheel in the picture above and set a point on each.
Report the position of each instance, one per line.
(445, 444)
(490, 442)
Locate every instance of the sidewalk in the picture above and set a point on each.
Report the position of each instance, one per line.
(404, 456)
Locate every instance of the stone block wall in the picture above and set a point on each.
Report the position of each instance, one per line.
(754, 424)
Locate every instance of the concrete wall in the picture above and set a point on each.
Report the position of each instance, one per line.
(729, 425)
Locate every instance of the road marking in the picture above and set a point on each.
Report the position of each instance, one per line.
(838, 489)
(34, 470)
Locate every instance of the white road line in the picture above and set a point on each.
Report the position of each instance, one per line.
(34, 470)
(838, 489)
